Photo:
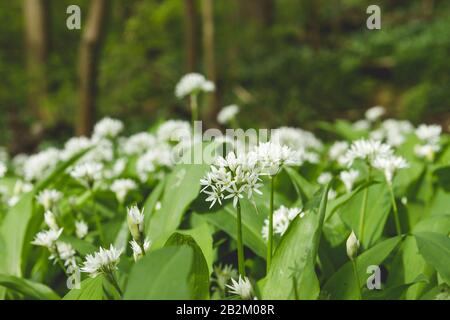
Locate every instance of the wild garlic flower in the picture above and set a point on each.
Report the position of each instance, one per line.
(282, 217)
(223, 274)
(361, 125)
(138, 143)
(296, 139)
(49, 198)
(389, 165)
(107, 128)
(242, 288)
(20, 187)
(429, 134)
(227, 114)
(47, 238)
(332, 194)
(193, 83)
(65, 252)
(272, 156)
(393, 132)
(174, 131)
(352, 246)
(324, 178)
(137, 249)
(75, 145)
(104, 261)
(2, 169)
(427, 151)
(374, 113)
(41, 164)
(135, 218)
(81, 229)
(349, 178)
(50, 220)
(121, 187)
(337, 151)
(231, 178)
(154, 161)
(367, 150)
(87, 173)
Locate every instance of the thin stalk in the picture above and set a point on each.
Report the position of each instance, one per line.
(355, 273)
(394, 206)
(97, 218)
(194, 108)
(112, 279)
(240, 246)
(270, 240)
(294, 283)
(364, 208)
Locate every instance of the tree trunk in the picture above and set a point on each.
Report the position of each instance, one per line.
(209, 58)
(36, 14)
(88, 64)
(190, 36)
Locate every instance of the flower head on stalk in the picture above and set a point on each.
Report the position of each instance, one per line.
(389, 165)
(135, 218)
(430, 137)
(47, 238)
(227, 114)
(87, 173)
(272, 156)
(137, 248)
(232, 177)
(48, 198)
(374, 113)
(352, 246)
(193, 83)
(121, 187)
(50, 220)
(367, 150)
(107, 128)
(282, 217)
(223, 274)
(242, 288)
(104, 261)
(65, 252)
(81, 229)
(349, 178)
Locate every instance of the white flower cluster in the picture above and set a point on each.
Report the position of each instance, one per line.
(232, 177)
(104, 261)
(271, 156)
(41, 164)
(227, 114)
(81, 229)
(223, 274)
(242, 288)
(337, 151)
(193, 83)
(349, 178)
(140, 244)
(375, 113)
(87, 172)
(389, 165)
(48, 198)
(107, 128)
(121, 187)
(392, 131)
(282, 217)
(429, 135)
(366, 150)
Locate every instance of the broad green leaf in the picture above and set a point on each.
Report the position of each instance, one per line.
(295, 257)
(181, 188)
(304, 188)
(199, 275)
(30, 289)
(202, 236)
(152, 200)
(342, 284)
(90, 289)
(81, 246)
(377, 212)
(162, 274)
(393, 293)
(435, 248)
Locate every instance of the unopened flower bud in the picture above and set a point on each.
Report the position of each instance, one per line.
(352, 246)
(135, 219)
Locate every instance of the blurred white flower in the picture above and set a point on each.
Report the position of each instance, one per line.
(332, 194)
(174, 131)
(135, 218)
(374, 113)
(2, 169)
(282, 217)
(367, 150)
(427, 151)
(50, 220)
(193, 83)
(361, 125)
(429, 134)
(154, 160)
(138, 143)
(137, 249)
(227, 114)
(393, 132)
(389, 164)
(20, 187)
(242, 288)
(223, 274)
(296, 139)
(49, 198)
(102, 262)
(39, 165)
(73, 146)
(324, 178)
(87, 172)
(47, 238)
(121, 187)
(65, 252)
(231, 178)
(337, 150)
(107, 128)
(272, 156)
(348, 178)
(81, 229)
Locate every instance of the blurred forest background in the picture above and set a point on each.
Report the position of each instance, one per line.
(285, 62)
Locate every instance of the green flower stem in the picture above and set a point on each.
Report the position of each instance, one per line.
(364, 208)
(240, 248)
(270, 240)
(355, 273)
(394, 206)
(97, 218)
(112, 279)
(194, 108)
